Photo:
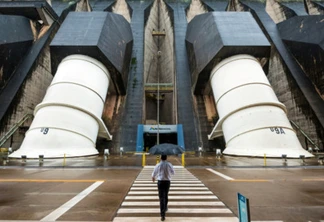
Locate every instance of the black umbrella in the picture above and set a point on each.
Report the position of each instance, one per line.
(166, 149)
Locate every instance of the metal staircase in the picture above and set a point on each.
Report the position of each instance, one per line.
(14, 128)
(305, 135)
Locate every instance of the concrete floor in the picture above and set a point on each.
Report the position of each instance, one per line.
(58, 190)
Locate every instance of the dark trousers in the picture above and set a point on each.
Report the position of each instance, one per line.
(163, 186)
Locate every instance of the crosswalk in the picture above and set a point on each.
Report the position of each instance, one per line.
(189, 200)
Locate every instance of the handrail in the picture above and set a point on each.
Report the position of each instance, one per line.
(305, 135)
(166, 87)
(160, 84)
(14, 128)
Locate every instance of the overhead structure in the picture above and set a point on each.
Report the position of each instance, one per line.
(301, 37)
(34, 10)
(104, 36)
(205, 51)
(14, 44)
(251, 119)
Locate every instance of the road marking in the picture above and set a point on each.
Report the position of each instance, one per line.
(179, 219)
(36, 221)
(49, 181)
(187, 195)
(313, 179)
(175, 210)
(171, 192)
(68, 205)
(236, 180)
(172, 184)
(173, 203)
(220, 174)
(203, 197)
(172, 181)
(171, 188)
(252, 180)
(50, 194)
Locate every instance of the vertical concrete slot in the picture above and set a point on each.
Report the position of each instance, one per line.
(121, 7)
(196, 7)
(159, 65)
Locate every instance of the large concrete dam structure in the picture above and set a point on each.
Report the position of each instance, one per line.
(78, 77)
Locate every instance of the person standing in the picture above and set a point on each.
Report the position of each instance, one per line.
(163, 172)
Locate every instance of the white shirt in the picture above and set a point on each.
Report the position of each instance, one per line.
(163, 171)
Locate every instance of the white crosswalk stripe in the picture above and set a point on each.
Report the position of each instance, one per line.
(171, 188)
(189, 200)
(175, 203)
(170, 192)
(173, 184)
(171, 197)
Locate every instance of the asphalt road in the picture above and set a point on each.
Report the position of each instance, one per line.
(92, 189)
(281, 194)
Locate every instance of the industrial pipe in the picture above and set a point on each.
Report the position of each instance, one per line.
(68, 120)
(252, 120)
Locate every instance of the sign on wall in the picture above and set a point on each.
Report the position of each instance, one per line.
(160, 128)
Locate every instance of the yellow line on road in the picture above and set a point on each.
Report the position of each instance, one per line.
(48, 181)
(319, 179)
(261, 180)
(251, 180)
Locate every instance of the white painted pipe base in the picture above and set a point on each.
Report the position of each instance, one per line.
(267, 142)
(252, 120)
(68, 120)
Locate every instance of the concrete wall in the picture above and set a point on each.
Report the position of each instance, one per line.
(275, 11)
(151, 46)
(83, 6)
(298, 108)
(121, 7)
(166, 46)
(163, 62)
(196, 8)
(29, 95)
(312, 9)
